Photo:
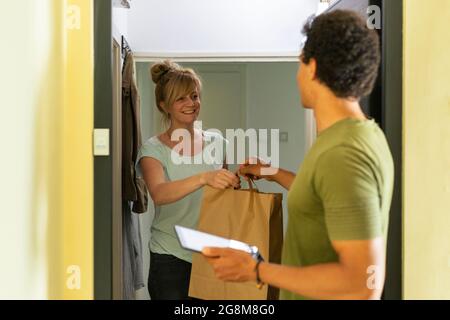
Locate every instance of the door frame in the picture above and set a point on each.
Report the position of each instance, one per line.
(103, 166)
(392, 113)
(103, 118)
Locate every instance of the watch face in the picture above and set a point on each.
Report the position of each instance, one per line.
(255, 254)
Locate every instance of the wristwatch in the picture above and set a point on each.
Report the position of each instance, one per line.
(254, 251)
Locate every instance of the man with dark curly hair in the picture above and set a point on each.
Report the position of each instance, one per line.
(339, 201)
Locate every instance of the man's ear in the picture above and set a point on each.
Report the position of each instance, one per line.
(312, 69)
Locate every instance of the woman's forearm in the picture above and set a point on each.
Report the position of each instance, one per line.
(283, 178)
(170, 192)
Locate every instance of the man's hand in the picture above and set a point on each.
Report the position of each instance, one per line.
(256, 169)
(231, 265)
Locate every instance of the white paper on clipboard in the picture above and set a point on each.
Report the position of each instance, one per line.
(196, 241)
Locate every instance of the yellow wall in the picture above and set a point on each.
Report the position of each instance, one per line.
(46, 192)
(426, 149)
(78, 162)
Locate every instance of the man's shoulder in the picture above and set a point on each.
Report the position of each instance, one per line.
(364, 137)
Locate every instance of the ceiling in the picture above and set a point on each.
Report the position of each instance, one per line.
(217, 27)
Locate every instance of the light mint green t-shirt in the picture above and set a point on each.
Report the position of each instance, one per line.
(343, 191)
(184, 212)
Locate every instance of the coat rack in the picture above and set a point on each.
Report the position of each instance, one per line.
(125, 48)
(121, 4)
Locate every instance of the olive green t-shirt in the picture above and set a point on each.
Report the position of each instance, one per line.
(342, 191)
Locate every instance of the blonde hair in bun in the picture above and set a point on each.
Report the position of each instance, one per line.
(172, 82)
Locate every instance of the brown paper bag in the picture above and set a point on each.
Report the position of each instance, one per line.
(244, 215)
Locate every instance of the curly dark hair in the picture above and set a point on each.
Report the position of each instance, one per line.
(347, 52)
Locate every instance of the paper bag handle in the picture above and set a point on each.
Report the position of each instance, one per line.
(252, 185)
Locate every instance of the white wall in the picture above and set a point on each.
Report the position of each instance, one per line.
(120, 23)
(249, 27)
(23, 247)
(273, 102)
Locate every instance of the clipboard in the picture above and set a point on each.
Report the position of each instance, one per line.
(196, 241)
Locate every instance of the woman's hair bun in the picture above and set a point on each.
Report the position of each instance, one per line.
(160, 69)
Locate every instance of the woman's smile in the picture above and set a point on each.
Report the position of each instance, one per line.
(189, 111)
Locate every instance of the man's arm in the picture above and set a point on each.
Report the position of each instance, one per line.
(259, 170)
(359, 274)
(350, 278)
(284, 178)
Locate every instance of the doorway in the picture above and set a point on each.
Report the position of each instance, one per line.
(235, 95)
(105, 270)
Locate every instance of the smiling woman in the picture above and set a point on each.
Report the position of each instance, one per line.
(177, 89)
(176, 187)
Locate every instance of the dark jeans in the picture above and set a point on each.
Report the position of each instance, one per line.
(168, 278)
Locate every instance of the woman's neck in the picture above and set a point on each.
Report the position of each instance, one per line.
(190, 145)
(190, 128)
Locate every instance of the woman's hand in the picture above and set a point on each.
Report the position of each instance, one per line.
(256, 169)
(221, 179)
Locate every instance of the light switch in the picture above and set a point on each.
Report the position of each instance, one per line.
(101, 142)
(284, 137)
